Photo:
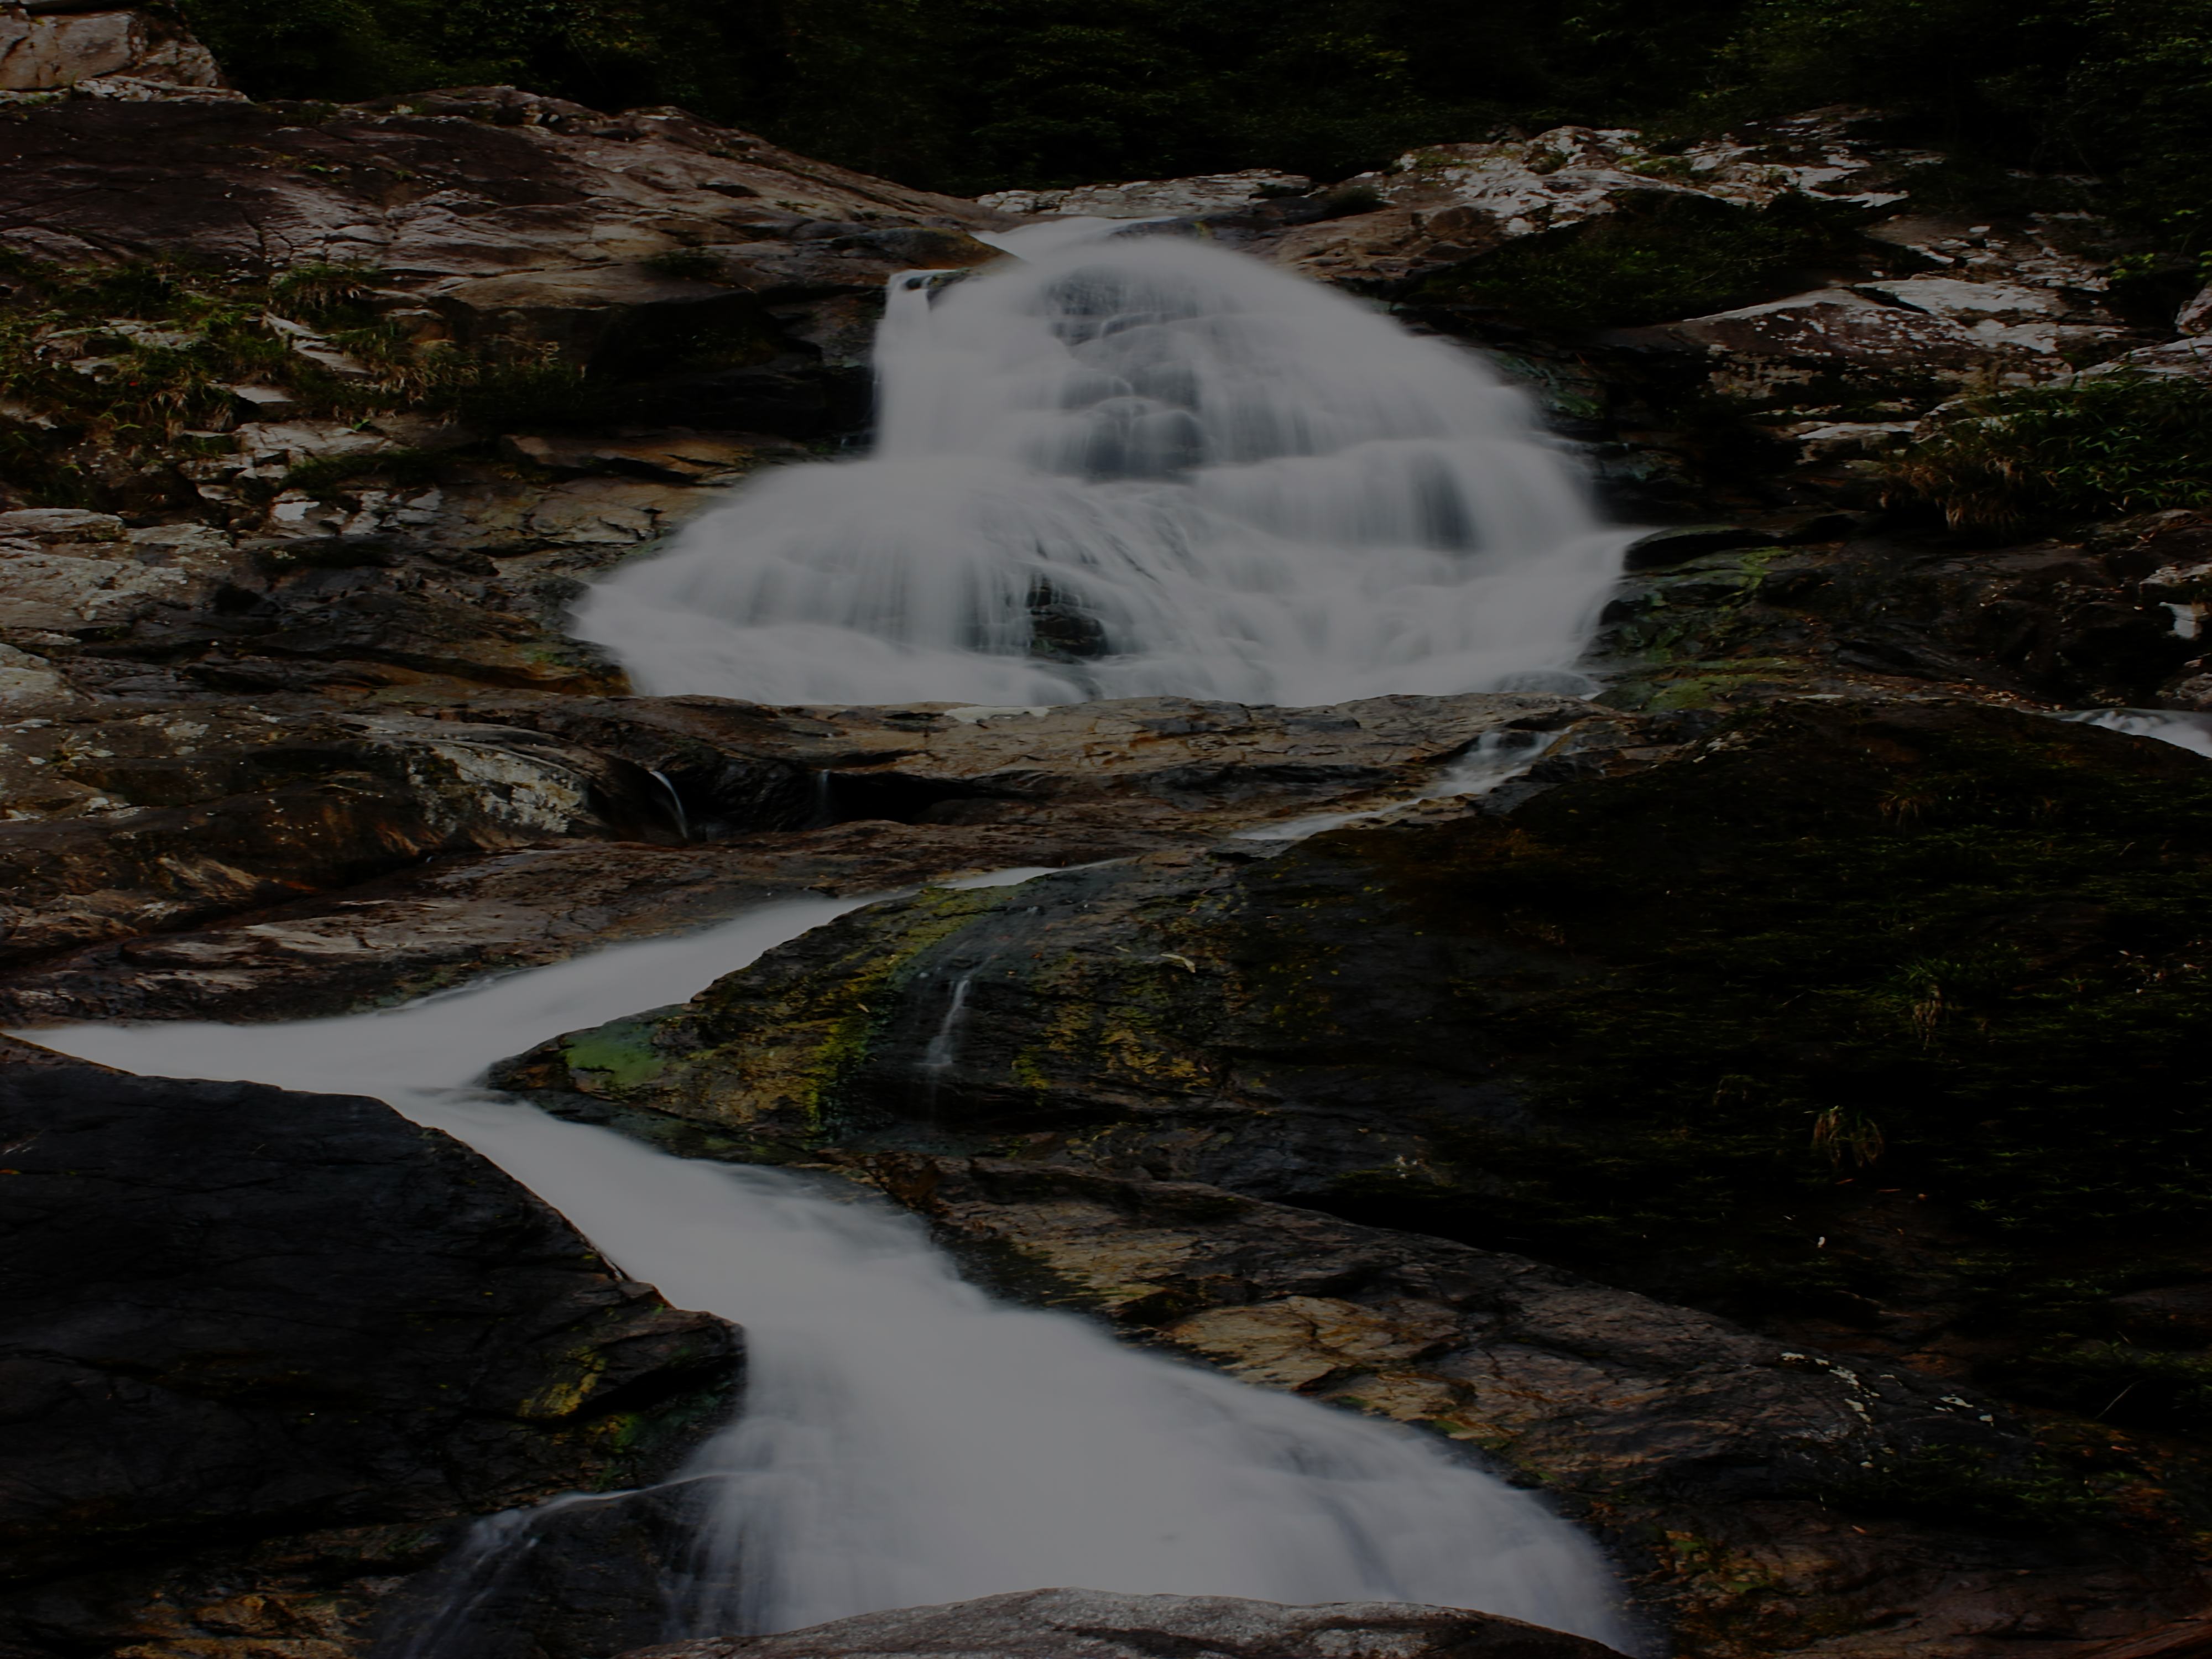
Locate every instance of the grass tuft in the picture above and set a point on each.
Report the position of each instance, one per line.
(2019, 461)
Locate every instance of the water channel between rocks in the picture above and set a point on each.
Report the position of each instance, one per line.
(905, 1440)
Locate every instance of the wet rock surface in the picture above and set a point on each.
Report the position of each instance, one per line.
(1743, 1065)
(268, 1351)
(142, 823)
(1074, 1624)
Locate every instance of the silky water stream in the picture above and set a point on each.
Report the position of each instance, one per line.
(903, 1438)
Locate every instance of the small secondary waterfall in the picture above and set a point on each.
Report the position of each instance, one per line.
(1129, 467)
(904, 1439)
(2184, 731)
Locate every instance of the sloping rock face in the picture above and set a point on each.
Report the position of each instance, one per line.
(267, 1353)
(1070, 1623)
(162, 818)
(1747, 1060)
(569, 191)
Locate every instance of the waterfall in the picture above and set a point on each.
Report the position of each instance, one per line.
(904, 1439)
(1135, 466)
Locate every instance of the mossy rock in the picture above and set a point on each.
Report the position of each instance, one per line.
(1643, 1024)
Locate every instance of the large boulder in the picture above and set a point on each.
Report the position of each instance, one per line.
(266, 1354)
(103, 53)
(1074, 1624)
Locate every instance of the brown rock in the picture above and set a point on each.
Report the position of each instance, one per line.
(1073, 1624)
(103, 53)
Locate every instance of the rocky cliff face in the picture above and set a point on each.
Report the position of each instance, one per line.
(1767, 1124)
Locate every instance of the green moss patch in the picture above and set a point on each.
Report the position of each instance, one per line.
(621, 1052)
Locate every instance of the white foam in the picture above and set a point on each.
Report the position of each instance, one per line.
(1253, 488)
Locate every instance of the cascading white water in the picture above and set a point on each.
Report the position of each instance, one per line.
(1131, 467)
(2184, 731)
(904, 1440)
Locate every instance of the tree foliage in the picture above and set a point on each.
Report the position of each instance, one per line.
(975, 94)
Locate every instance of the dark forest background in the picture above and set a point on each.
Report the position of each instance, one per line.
(970, 95)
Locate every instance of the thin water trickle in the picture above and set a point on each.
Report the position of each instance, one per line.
(904, 1439)
(1136, 467)
(675, 812)
(945, 1044)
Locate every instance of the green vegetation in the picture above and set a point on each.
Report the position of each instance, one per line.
(1659, 256)
(2021, 460)
(2117, 87)
(126, 363)
(141, 350)
(978, 94)
(325, 476)
(620, 1053)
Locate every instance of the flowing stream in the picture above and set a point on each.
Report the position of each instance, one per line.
(2184, 731)
(904, 1439)
(1137, 466)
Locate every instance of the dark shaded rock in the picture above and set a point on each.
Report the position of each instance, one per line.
(256, 1335)
(579, 1578)
(454, 919)
(1662, 548)
(2171, 1316)
(1882, 617)
(1268, 1023)
(1073, 1624)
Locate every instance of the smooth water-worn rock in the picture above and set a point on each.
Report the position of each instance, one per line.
(1075, 1624)
(267, 1351)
